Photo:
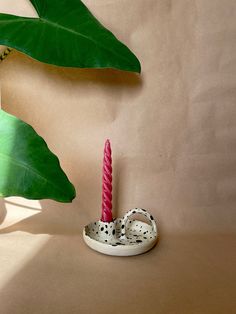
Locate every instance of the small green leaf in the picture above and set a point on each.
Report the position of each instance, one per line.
(27, 167)
(66, 34)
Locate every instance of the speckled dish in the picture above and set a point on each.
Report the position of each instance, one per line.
(122, 237)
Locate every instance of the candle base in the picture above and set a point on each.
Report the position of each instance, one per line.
(123, 236)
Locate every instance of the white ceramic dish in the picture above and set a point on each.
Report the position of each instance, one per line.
(123, 237)
(4, 52)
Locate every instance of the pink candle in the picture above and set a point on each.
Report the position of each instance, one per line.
(107, 184)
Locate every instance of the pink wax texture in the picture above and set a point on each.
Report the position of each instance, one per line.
(107, 184)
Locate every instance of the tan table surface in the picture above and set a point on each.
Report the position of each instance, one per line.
(183, 274)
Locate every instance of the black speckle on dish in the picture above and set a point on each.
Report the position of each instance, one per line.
(96, 232)
(134, 212)
(114, 244)
(145, 237)
(95, 223)
(143, 209)
(106, 226)
(105, 240)
(138, 241)
(106, 232)
(151, 217)
(130, 221)
(113, 231)
(102, 229)
(122, 227)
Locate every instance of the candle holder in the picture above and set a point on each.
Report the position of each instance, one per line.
(122, 236)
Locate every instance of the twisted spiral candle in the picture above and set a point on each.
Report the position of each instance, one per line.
(107, 184)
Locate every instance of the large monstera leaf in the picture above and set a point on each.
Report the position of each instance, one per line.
(66, 34)
(27, 167)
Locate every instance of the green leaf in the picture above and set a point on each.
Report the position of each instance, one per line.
(66, 34)
(27, 167)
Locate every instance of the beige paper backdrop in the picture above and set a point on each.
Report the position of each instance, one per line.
(174, 149)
